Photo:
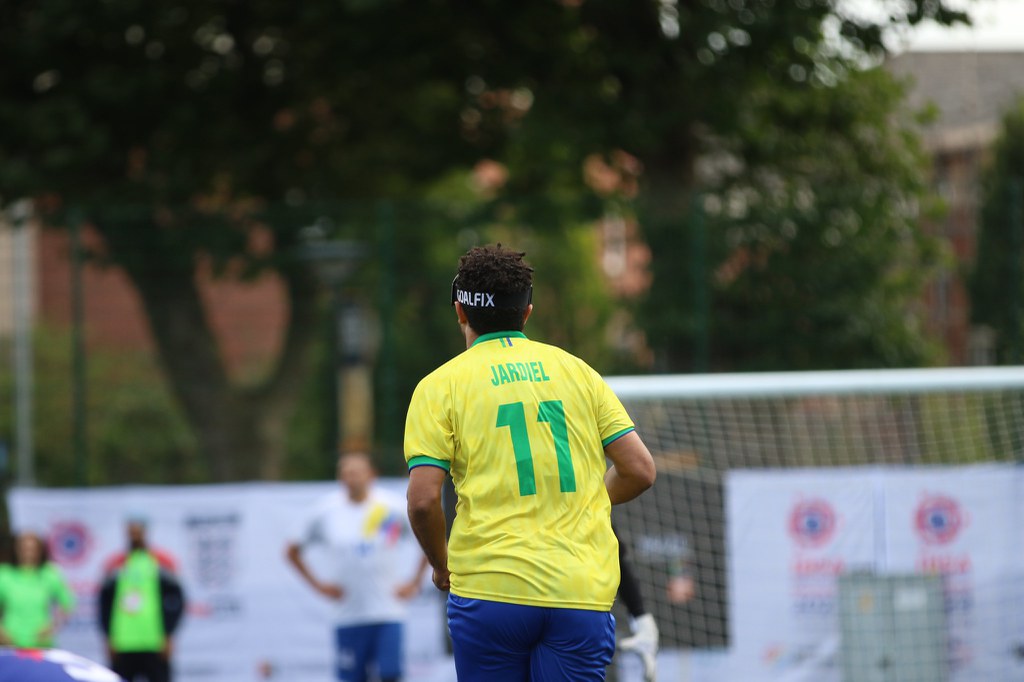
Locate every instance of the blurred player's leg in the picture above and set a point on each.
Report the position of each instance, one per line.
(126, 665)
(388, 651)
(354, 646)
(158, 668)
(644, 640)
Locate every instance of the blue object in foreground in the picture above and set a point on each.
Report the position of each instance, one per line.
(50, 665)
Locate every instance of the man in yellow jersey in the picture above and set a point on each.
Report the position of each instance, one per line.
(525, 429)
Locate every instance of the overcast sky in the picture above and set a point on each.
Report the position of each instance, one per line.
(998, 25)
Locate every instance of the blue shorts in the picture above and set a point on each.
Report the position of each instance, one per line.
(498, 642)
(360, 648)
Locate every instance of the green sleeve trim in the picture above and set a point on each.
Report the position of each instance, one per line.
(499, 335)
(615, 436)
(423, 460)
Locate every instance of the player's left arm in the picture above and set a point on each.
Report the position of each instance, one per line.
(427, 519)
(62, 601)
(61, 591)
(411, 588)
(632, 470)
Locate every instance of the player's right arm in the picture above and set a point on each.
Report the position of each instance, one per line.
(426, 517)
(293, 552)
(632, 471)
(429, 446)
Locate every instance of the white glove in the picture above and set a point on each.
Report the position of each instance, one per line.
(644, 643)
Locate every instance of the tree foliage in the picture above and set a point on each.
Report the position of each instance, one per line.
(174, 124)
(763, 113)
(181, 128)
(997, 280)
(136, 432)
(812, 251)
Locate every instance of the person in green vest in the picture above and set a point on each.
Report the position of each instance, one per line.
(34, 597)
(141, 605)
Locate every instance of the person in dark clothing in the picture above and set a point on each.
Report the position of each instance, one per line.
(644, 640)
(141, 605)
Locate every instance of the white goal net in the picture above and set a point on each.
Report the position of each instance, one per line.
(802, 522)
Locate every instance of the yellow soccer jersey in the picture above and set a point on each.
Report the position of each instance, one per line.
(522, 427)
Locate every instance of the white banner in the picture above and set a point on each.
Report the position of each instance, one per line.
(790, 534)
(250, 617)
(962, 524)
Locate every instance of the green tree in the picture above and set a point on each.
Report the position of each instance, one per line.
(997, 279)
(181, 129)
(176, 125)
(761, 111)
(813, 252)
(173, 124)
(138, 434)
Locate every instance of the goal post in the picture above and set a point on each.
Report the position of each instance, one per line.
(824, 431)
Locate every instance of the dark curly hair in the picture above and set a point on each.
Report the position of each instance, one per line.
(498, 270)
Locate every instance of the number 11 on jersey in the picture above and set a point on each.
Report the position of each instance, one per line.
(513, 415)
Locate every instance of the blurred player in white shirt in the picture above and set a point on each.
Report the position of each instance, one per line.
(362, 530)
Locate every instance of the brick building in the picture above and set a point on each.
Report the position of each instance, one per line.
(971, 91)
(247, 317)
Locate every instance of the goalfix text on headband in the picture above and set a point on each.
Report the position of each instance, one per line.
(484, 299)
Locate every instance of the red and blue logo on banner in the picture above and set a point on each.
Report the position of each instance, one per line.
(812, 523)
(70, 542)
(938, 519)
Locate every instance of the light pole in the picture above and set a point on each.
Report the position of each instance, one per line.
(21, 268)
(335, 261)
(355, 378)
